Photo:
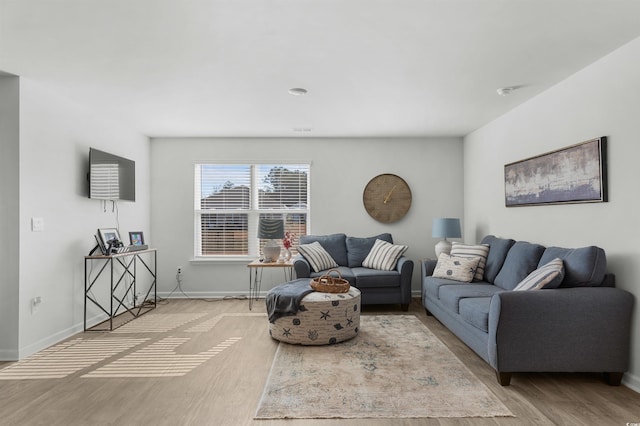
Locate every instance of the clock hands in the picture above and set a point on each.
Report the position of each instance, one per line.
(388, 196)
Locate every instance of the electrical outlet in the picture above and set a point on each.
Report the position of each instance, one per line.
(179, 270)
(37, 224)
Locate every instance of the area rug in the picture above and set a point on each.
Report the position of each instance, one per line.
(394, 368)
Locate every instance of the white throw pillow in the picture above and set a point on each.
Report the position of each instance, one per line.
(480, 251)
(549, 275)
(317, 256)
(456, 268)
(383, 256)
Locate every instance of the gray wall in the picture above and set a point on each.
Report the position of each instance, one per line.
(340, 169)
(54, 139)
(9, 214)
(601, 100)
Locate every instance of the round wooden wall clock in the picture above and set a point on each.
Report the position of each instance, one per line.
(387, 198)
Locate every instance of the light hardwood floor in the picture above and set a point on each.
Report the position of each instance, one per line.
(226, 389)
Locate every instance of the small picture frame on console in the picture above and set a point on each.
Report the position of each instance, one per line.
(136, 238)
(108, 234)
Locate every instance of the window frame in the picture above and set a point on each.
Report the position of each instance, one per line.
(253, 212)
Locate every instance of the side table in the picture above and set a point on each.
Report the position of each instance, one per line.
(255, 275)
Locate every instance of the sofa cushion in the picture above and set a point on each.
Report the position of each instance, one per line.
(345, 272)
(317, 256)
(433, 285)
(475, 311)
(522, 259)
(456, 268)
(334, 244)
(549, 275)
(359, 248)
(383, 256)
(450, 295)
(583, 267)
(467, 250)
(366, 277)
(498, 249)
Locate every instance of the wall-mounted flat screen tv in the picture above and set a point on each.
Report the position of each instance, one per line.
(111, 177)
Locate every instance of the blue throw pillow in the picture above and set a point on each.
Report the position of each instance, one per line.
(359, 248)
(521, 260)
(498, 249)
(584, 267)
(334, 244)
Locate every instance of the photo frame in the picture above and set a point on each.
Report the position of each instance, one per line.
(136, 238)
(575, 174)
(108, 234)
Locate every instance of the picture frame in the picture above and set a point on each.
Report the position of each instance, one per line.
(136, 238)
(574, 174)
(108, 234)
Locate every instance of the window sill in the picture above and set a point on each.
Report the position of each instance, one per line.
(204, 260)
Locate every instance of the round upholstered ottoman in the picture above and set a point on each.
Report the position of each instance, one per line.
(323, 319)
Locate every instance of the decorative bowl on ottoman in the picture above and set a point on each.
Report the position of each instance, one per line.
(322, 319)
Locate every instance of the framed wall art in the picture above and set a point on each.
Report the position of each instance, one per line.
(575, 174)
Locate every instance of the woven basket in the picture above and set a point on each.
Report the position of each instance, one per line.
(329, 284)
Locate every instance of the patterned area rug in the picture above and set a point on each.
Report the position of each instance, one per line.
(394, 368)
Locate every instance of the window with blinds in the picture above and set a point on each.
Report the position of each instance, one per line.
(230, 199)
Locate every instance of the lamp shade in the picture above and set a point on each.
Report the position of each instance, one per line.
(446, 227)
(270, 229)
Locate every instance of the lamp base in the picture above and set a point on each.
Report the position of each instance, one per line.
(271, 252)
(443, 246)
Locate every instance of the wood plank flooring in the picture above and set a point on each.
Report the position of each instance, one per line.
(225, 388)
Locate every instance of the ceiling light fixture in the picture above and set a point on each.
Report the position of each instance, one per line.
(297, 91)
(506, 91)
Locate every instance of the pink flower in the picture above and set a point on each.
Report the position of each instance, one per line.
(288, 239)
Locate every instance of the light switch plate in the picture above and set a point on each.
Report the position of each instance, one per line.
(37, 224)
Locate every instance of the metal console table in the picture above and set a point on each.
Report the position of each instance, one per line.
(121, 287)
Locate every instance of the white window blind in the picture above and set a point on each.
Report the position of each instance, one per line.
(231, 198)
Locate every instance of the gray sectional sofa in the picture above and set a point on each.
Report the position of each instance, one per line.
(376, 286)
(583, 325)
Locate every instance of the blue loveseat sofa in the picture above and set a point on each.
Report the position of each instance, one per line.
(376, 286)
(583, 325)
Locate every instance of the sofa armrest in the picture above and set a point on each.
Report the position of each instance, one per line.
(405, 268)
(301, 266)
(427, 266)
(584, 329)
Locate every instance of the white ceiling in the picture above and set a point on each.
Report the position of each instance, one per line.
(372, 67)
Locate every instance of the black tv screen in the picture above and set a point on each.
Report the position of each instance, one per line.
(111, 177)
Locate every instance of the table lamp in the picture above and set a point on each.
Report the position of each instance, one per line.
(445, 227)
(271, 229)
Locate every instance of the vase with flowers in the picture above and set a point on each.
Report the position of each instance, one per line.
(287, 243)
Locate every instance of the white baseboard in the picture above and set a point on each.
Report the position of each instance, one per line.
(631, 381)
(50, 340)
(207, 295)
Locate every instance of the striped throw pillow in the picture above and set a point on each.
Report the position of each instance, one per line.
(317, 256)
(383, 256)
(480, 251)
(549, 275)
(456, 268)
